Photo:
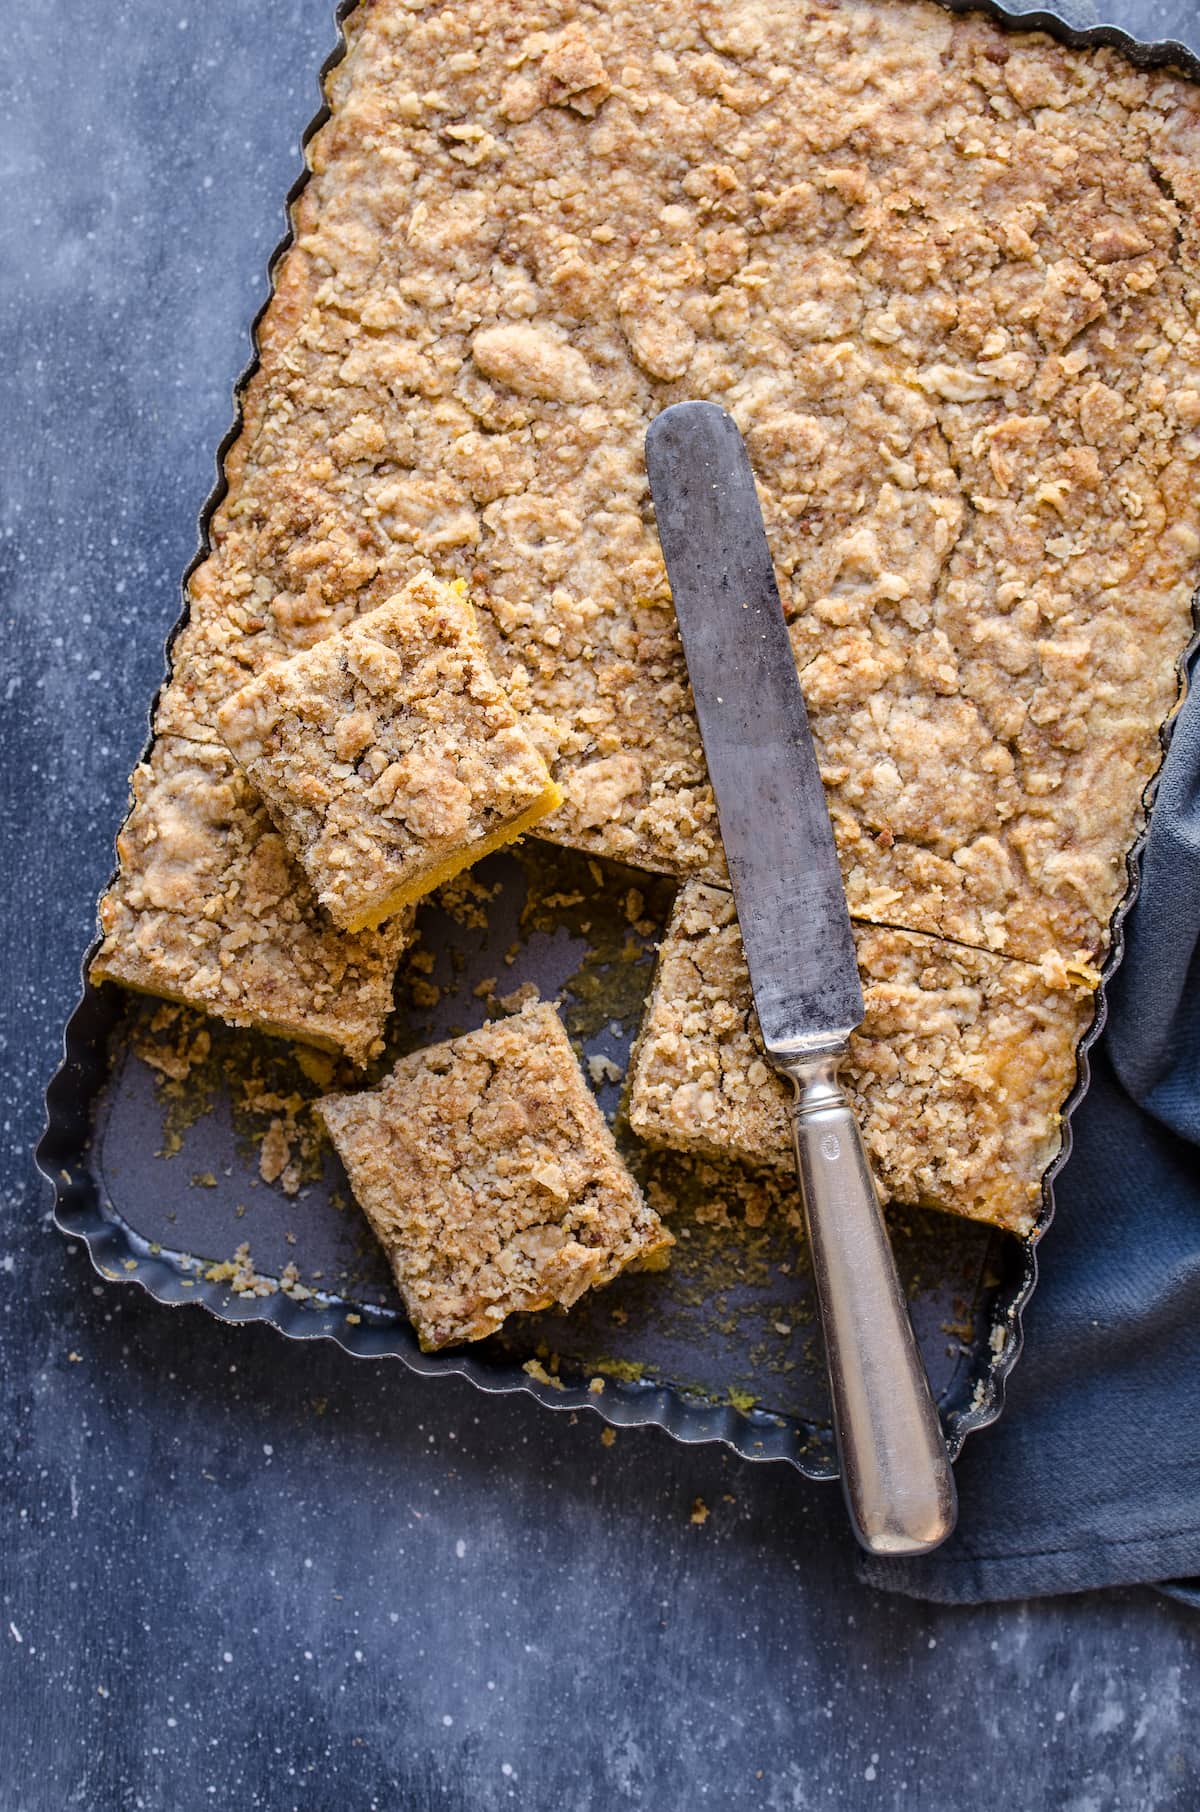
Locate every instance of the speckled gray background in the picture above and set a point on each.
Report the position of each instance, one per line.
(239, 1573)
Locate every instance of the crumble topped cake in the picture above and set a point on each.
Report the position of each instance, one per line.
(944, 277)
(211, 912)
(388, 755)
(491, 1178)
(957, 1074)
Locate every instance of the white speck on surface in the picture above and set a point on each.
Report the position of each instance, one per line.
(460, 1548)
(1110, 1713)
(268, 1449)
(227, 1658)
(447, 1719)
(16, 1634)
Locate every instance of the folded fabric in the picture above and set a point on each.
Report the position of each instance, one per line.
(1092, 1475)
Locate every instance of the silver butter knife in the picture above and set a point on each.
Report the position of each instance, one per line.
(795, 925)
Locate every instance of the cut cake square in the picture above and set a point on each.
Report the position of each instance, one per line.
(491, 1178)
(388, 754)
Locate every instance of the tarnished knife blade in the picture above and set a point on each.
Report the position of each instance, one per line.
(775, 826)
(796, 929)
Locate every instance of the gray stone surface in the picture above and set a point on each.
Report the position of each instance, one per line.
(241, 1573)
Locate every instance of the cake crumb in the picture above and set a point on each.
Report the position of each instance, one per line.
(274, 1152)
(536, 1369)
(240, 1274)
(519, 997)
(465, 899)
(317, 1066)
(175, 1060)
(289, 1283)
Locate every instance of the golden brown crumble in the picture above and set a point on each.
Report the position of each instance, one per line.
(388, 755)
(945, 278)
(209, 911)
(491, 1178)
(957, 1075)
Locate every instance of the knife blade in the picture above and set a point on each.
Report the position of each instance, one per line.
(795, 925)
(774, 820)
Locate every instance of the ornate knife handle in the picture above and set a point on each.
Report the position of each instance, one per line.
(896, 1474)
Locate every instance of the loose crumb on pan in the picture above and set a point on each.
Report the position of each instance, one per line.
(240, 1275)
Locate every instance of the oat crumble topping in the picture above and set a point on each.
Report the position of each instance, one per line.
(388, 755)
(211, 912)
(491, 1178)
(957, 1074)
(944, 278)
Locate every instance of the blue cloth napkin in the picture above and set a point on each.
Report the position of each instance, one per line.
(1092, 1475)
